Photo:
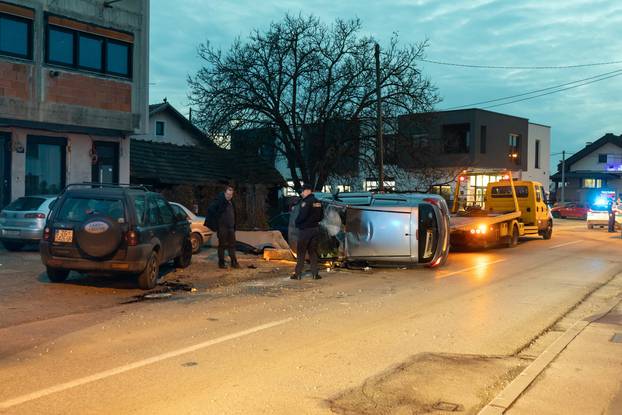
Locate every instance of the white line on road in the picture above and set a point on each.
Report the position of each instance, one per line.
(122, 369)
(471, 268)
(566, 244)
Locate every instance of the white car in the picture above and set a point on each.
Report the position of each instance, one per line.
(598, 215)
(199, 233)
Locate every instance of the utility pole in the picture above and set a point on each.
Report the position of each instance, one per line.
(563, 176)
(379, 140)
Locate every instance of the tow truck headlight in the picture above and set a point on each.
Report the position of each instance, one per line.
(482, 228)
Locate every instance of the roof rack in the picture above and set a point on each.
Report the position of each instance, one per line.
(108, 186)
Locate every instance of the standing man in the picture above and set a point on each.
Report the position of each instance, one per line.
(221, 218)
(308, 224)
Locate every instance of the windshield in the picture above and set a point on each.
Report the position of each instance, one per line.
(26, 203)
(76, 209)
(506, 191)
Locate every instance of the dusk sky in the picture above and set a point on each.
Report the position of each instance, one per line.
(470, 32)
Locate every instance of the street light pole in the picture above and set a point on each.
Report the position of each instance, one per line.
(563, 176)
(379, 119)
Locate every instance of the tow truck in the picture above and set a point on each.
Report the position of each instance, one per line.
(511, 209)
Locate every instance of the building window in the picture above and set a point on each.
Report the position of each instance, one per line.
(344, 188)
(90, 52)
(45, 165)
(442, 190)
(514, 151)
(602, 158)
(76, 49)
(482, 139)
(374, 184)
(15, 36)
(289, 190)
(537, 166)
(159, 128)
(592, 183)
(457, 138)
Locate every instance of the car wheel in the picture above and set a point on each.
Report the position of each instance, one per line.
(13, 246)
(590, 226)
(197, 241)
(548, 232)
(57, 275)
(149, 277)
(513, 238)
(184, 260)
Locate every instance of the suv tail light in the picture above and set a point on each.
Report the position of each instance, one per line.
(131, 237)
(47, 232)
(34, 216)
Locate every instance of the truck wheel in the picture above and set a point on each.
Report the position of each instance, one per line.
(149, 277)
(548, 232)
(57, 275)
(513, 238)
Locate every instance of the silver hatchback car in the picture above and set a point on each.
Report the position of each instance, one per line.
(22, 221)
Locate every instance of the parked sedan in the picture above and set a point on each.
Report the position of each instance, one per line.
(571, 210)
(22, 221)
(199, 233)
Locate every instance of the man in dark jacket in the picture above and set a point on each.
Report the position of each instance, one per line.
(308, 221)
(221, 218)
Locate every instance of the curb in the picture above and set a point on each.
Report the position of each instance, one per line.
(504, 400)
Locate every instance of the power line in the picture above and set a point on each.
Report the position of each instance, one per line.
(464, 65)
(596, 78)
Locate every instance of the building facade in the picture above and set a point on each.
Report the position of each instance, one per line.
(73, 88)
(594, 169)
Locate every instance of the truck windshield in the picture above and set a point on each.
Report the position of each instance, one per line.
(506, 191)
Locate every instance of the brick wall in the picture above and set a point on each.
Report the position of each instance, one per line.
(14, 80)
(89, 91)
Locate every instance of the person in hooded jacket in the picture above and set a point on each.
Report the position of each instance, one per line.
(221, 218)
(308, 221)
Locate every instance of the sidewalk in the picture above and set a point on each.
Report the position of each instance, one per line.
(585, 378)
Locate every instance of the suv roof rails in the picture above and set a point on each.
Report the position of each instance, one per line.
(108, 186)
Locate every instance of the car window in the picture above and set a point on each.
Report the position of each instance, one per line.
(25, 203)
(141, 210)
(166, 213)
(538, 196)
(389, 202)
(506, 191)
(78, 209)
(177, 210)
(153, 215)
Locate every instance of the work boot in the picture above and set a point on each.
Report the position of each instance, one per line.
(295, 277)
(222, 265)
(235, 265)
(317, 277)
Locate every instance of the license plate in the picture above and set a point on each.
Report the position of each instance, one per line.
(63, 235)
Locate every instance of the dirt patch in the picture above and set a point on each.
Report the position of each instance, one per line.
(431, 384)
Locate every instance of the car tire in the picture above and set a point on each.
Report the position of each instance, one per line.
(149, 277)
(185, 259)
(590, 226)
(13, 246)
(513, 238)
(548, 232)
(196, 241)
(57, 275)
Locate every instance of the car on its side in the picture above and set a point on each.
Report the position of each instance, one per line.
(575, 210)
(112, 229)
(199, 233)
(23, 220)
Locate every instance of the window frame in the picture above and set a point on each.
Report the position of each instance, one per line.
(600, 157)
(537, 161)
(483, 133)
(75, 65)
(163, 124)
(29, 31)
(58, 141)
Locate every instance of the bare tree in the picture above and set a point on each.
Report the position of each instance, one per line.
(313, 84)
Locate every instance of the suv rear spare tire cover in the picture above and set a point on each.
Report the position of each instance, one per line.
(98, 236)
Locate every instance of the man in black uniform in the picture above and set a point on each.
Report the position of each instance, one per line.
(308, 223)
(221, 218)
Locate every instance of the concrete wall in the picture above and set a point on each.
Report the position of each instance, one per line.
(542, 134)
(173, 132)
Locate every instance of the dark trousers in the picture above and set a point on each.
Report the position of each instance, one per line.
(226, 240)
(307, 243)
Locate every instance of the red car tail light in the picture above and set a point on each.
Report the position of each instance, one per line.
(47, 232)
(131, 237)
(34, 216)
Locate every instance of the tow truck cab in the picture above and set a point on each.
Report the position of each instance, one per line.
(531, 200)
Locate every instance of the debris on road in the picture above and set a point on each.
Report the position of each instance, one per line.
(156, 296)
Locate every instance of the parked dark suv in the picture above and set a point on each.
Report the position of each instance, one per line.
(109, 229)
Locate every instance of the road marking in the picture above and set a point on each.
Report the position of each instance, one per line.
(566, 244)
(471, 268)
(141, 363)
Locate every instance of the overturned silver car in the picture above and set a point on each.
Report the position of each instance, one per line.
(366, 227)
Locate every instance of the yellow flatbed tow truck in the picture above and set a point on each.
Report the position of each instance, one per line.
(511, 209)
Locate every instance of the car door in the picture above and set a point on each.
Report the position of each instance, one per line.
(168, 228)
(542, 212)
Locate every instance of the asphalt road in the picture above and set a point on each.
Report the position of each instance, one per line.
(295, 347)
